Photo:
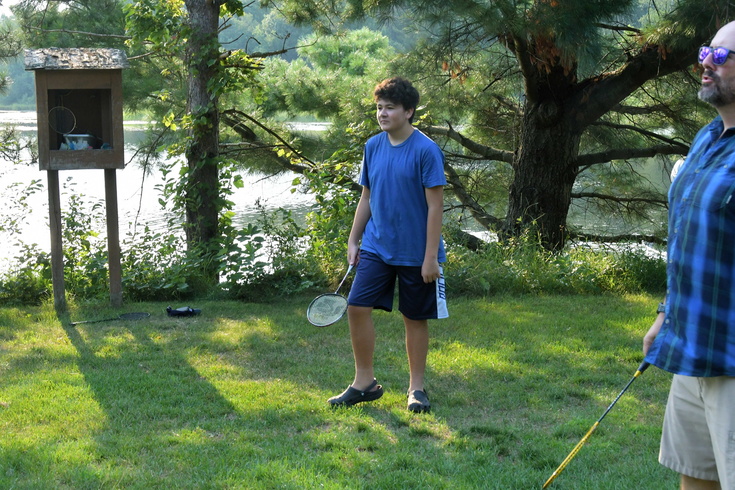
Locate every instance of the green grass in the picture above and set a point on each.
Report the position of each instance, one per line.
(236, 398)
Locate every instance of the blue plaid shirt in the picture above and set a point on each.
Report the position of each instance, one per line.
(698, 334)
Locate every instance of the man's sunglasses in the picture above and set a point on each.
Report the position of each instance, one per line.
(719, 55)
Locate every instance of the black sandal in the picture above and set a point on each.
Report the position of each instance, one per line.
(418, 402)
(352, 396)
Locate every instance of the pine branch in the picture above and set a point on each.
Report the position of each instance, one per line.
(485, 151)
(618, 28)
(643, 132)
(618, 199)
(642, 111)
(628, 153)
(81, 33)
(469, 202)
(233, 118)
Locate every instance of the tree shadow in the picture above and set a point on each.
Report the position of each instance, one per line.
(504, 370)
(237, 399)
(162, 416)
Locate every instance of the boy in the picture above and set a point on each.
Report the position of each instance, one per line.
(396, 233)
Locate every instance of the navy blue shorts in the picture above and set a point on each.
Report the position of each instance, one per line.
(375, 283)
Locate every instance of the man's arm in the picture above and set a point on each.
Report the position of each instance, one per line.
(652, 332)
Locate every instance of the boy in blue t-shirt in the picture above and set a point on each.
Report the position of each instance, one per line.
(396, 233)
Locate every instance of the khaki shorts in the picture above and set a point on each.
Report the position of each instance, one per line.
(698, 438)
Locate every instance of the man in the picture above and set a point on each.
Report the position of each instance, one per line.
(396, 233)
(694, 333)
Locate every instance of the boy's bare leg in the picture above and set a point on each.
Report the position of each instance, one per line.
(362, 334)
(417, 348)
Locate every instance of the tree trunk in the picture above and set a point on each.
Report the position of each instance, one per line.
(544, 173)
(202, 203)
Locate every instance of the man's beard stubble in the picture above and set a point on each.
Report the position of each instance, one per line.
(717, 94)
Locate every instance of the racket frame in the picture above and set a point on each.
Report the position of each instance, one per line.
(318, 324)
(62, 110)
(308, 310)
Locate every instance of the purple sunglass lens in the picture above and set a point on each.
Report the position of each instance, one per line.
(704, 51)
(719, 55)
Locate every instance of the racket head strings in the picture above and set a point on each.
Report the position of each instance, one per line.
(62, 120)
(326, 309)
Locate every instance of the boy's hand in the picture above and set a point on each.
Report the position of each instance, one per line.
(430, 271)
(353, 254)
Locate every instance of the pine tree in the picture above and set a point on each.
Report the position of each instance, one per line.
(547, 89)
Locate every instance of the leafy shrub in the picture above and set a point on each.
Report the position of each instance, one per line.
(279, 260)
(29, 282)
(279, 257)
(155, 267)
(522, 266)
(328, 226)
(85, 254)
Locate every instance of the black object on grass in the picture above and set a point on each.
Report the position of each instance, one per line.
(124, 316)
(183, 311)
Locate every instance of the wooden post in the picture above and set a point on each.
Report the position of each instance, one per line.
(113, 238)
(57, 251)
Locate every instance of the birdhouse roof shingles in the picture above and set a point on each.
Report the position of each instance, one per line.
(75, 59)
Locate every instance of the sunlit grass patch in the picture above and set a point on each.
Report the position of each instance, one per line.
(236, 398)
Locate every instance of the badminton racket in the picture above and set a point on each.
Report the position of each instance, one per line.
(581, 443)
(62, 119)
(328, 308)
(124, 316)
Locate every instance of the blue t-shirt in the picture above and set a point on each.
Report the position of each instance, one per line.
(697, 337)
(397, 177)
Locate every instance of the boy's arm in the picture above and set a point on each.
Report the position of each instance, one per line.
(435, 201)
(362, 215)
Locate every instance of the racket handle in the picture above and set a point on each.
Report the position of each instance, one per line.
(349, 269)
(74, 324)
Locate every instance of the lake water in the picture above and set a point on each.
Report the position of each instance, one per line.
(137, 194)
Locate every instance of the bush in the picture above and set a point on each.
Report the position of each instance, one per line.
(29, 283)
(279, 257)
(274, 261)
(255, 263)
(521, 267)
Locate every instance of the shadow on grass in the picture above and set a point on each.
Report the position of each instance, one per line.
(236, 398)
(508, 383)
(164, 420)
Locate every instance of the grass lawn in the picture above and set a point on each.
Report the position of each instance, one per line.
(236, 398)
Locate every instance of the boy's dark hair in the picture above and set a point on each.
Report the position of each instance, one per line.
(399, 91)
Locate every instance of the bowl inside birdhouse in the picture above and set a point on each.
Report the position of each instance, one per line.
(80, 141)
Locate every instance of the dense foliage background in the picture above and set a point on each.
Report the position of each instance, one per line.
(560, 123)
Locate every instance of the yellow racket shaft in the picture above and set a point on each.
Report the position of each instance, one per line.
(571, 455)
(579, 445)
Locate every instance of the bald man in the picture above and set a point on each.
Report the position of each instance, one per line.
(693, 335)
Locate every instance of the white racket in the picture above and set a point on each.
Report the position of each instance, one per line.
(326, 309)
(62, 119)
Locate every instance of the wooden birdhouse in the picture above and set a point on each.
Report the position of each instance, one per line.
(80, 126)
(79, 107)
